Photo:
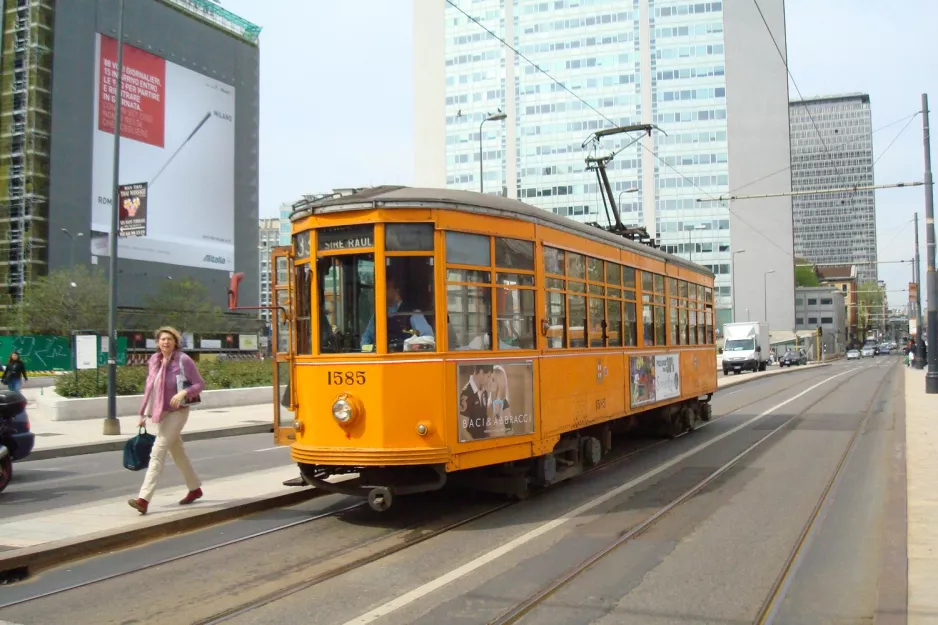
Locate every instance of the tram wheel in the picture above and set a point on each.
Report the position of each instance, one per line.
(380, 498)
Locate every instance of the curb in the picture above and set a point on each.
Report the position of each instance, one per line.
(21, 563)
(118, 443)
(737, 380)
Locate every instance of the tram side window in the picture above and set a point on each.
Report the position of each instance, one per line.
(630, 338)
(346, 303)
(468, 292)
(302, 288)
(410, 304)
(576, 304)
(554, 263)
(514, 297)
(654, 317)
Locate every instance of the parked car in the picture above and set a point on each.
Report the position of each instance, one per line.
(793, 357)
(853, 354)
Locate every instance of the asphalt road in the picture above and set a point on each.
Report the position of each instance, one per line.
(59, 482)
(711, 560)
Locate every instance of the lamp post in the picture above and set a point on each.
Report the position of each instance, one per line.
(72, 250)
(112, 427)
(494, 117)
(765, 294)
(690, 229)
(733, 281)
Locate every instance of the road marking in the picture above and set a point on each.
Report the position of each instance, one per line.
(272, 448)
(491, 556)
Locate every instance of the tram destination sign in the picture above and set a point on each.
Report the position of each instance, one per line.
(345, 238)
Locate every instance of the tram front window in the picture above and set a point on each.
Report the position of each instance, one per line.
(346, 302)
(409, 293)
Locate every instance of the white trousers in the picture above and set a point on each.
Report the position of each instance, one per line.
(169, 439)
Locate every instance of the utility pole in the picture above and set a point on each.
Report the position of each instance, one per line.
(931, 378)
(919, 362)
(112, 426)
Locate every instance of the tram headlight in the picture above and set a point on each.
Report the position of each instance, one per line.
(344, 409)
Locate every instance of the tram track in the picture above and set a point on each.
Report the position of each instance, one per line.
(302, 585)
(349, 560)
(769, 609)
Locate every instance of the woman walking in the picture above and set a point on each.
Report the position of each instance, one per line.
(15, 372)
(173, 380)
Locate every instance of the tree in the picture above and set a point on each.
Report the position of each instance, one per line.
(869, 303)
(805, 275)
(185, 304)
(66, 300)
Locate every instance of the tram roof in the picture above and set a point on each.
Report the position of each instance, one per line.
(390, 196)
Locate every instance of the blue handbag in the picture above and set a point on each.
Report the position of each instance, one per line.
(137, 450)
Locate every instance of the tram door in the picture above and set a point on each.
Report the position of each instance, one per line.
(282, 347)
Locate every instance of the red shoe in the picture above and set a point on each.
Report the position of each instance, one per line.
(192, 496)
(140, 505)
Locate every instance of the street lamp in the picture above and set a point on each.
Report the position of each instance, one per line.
(112, 426)
(494, 117)
(690, 229)
(765, 294)
(72, 239)
(733, 281)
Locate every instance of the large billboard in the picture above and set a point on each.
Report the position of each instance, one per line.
(177, 159)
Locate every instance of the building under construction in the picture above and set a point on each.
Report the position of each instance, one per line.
(53, 161)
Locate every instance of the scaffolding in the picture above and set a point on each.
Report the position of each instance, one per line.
(25, 124)
(216, 15)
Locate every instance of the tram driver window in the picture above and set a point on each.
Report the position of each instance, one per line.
(410, 308)
(346, 295)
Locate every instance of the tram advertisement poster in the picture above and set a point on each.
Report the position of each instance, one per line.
(496, 400)
(642, 379)
(133, 209)
(667, 377)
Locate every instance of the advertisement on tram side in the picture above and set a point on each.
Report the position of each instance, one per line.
(176, 160)
(654, 378)
(496, 400)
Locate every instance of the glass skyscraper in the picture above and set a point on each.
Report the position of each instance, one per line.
(839, 228)
(574, 67)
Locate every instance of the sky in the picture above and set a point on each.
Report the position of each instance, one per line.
(337, 98)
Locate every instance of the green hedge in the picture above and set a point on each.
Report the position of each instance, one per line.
(218, 374)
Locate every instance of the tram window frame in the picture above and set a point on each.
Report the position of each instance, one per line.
(359, 309)
(654, 310)
(510, 271)
(303, 308)
(514, 274)
(555, 295)
(396, 266)
(630, 301)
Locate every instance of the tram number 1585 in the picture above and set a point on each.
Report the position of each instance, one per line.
(346, 378)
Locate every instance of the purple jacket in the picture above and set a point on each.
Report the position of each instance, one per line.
(179, 364)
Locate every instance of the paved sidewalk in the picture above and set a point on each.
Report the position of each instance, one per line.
(921, 427)
(56, 439)
(47, 539)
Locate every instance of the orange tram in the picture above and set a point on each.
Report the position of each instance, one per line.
(428, 336)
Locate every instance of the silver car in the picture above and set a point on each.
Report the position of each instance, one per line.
(853, 355)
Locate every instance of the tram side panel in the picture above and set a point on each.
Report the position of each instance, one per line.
(578, 390)
(392, 401)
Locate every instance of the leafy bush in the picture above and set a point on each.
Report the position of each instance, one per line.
(218, 374)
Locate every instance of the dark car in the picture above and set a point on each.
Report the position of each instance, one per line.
(13, 407)
(793, 357)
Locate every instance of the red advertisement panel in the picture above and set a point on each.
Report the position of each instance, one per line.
(143, 93)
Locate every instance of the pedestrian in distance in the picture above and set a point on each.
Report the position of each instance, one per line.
(173, 382)
(15, 373)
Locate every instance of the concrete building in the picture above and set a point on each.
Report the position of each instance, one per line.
(844, 278)
(57, 90)
(832, 148)
(824, 307)
(708, 74)
(268, 235)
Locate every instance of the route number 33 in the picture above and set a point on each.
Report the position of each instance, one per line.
(347, 378)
